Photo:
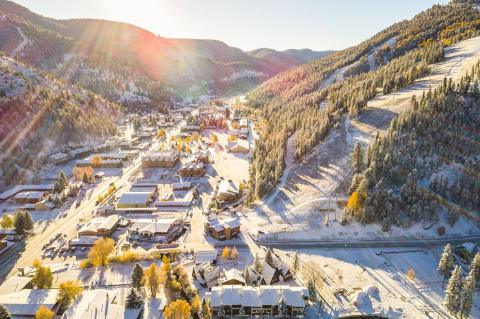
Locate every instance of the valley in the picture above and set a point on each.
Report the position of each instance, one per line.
(152, 177)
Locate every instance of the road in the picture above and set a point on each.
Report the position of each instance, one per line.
(68, 225)
(371, 243)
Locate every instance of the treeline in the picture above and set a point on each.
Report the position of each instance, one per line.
(296, 102)
(407, 175)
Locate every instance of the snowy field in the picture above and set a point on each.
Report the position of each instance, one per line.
(375, 281)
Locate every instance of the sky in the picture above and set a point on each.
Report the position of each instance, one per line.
(247, 24)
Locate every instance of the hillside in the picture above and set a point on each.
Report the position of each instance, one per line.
(129, 64)
(39, 114)
(286, 59)
(309, 101)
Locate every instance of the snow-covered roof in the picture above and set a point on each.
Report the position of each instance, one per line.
(233, 274)
(21, 188)
(104, 223)
(98, 304)
(256, 296)
(27, 301)
(153, 226)
(14, 283)
(228, 187)
(134, 198)
(202, 256)
(294, 297)
(268, 272)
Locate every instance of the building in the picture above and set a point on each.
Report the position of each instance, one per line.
(183, 186)
(192, 170)
(206, 256)
(81, 152)
(239, 146)
(100, 226)
(24, 303)
(134, 200)
(30, 197)
(201, 157)
(100, 303)
(206, 274)
(58, 158)
(25, 188)
(228, 191)
(246, 301)
(232, 277)
(165, 159)
(160, 230)
(223, 229)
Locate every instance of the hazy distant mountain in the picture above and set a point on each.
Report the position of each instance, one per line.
(287, 57)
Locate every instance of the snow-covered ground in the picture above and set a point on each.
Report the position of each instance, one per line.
(376, 282)
(319, 182)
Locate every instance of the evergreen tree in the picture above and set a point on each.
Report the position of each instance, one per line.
(357, 159)
(257, 265)
(206, 310)
(246, 275)
(22, 221)
(296, 263)
(312, 291)
(475, 268)
(4, 313)
(269, 258)
(137, 276)
(468, 290)
(446, 263)
(453, 299)
(134, 300)
(85, 178)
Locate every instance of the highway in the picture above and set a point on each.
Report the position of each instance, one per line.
(350, 243)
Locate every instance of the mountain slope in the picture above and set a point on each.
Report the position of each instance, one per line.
(128, 55)
(40, 114)
(306, 103)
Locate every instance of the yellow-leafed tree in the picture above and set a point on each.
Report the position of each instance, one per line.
(96, 161)
(353, 204)
(68, 291)
(7, 221)
(152, 279)
(100, 251)
(226, 252)
(178, 309)
(44, 313)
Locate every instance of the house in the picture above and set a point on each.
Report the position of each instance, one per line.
(100, 226)
(246, 301)
(206, 256)
(228, 191)
(223, 229)
(255, 278)
(175, 199)
(206, 274)
(192, 170)
(81, 152)
(25, 303)
(270, 275)
(243, 133)
(134, 200)
(232, 277)
(183, 186)
(25, 188)
(100, 303)
(238, 146)
(44, 205)
(58, 158)
(162, 230)
(30, 197)
(201, 157)
(164, 159)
